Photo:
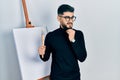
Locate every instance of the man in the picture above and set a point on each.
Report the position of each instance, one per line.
(66, 46)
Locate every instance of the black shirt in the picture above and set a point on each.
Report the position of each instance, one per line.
(65, 54)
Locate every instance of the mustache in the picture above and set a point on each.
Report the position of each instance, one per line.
(69, 23)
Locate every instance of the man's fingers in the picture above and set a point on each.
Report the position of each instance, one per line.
(42, 47)
(41, 50)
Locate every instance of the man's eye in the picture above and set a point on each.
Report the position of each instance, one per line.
(72, 17)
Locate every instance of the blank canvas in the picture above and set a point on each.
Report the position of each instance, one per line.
(27, 41)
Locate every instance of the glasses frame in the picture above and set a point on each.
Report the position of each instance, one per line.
(68, 18)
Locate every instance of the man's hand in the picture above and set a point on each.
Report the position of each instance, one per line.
(41, 50)
(71, 34)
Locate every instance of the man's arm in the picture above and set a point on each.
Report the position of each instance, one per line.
(77, 43)
(45, 50)
(79, 46)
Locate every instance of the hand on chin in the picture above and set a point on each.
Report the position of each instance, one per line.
(69, 26)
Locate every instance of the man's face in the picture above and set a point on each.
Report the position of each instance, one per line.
(67, 19)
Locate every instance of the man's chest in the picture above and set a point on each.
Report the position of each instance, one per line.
(61, 46)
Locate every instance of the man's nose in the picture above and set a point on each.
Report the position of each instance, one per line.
(70, 20)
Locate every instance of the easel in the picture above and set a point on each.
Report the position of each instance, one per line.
(28, 22)
(29, 25)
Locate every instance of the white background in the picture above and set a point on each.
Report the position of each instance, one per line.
(98, 19)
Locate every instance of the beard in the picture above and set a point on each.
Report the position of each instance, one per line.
(68, 26)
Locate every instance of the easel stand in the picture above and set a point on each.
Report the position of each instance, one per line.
(28, 22)
(29, 25)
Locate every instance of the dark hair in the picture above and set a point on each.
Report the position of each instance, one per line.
(65, 8)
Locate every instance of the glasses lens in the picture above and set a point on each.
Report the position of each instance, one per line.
(67, 18)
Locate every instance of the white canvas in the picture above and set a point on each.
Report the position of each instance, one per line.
(27, 41)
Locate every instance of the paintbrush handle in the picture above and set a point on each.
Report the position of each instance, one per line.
(43, 38)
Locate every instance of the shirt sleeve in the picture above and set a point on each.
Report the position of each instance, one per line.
(79, 46)
(48, 48)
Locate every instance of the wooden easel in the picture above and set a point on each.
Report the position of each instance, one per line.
(28, 22)
(29, 25)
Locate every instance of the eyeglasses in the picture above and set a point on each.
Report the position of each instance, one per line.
(67, 18)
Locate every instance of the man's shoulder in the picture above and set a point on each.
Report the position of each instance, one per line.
(51, 33)
(78, 31)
